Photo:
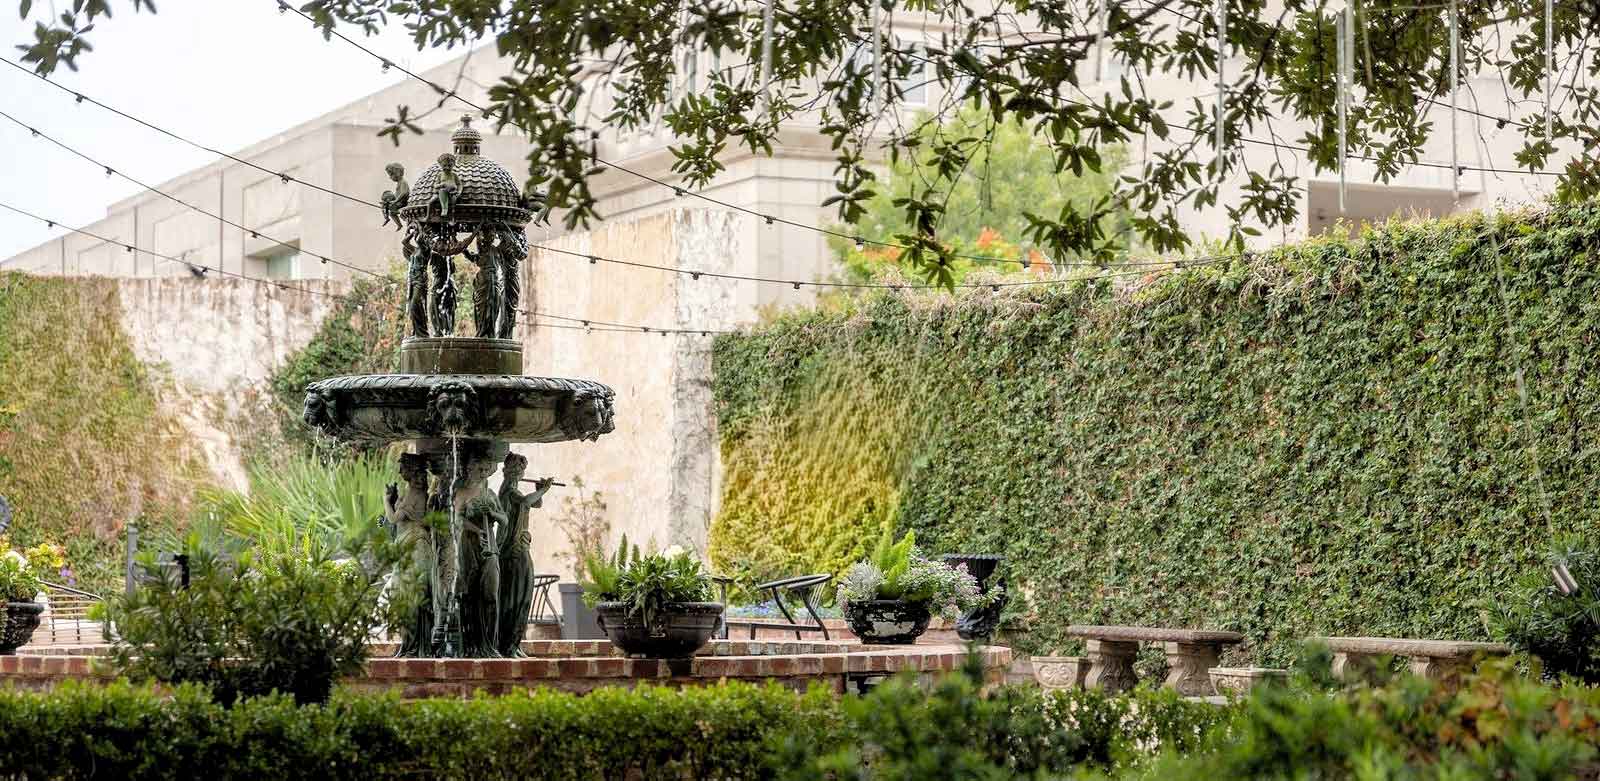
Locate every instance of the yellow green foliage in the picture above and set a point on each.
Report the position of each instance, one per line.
(84, 447)
(810, 489)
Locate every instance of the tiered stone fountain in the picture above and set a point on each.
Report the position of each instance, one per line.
(460, 401)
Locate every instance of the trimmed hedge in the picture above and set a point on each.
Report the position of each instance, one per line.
(732, 731)
(126, 732)
(1325, 439)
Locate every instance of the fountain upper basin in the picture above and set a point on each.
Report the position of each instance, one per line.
(463, 387)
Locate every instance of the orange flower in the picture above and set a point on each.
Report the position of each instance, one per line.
(987, 237)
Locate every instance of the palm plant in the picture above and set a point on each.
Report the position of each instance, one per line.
(302, 503)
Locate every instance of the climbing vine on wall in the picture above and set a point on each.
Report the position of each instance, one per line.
(361, 335)
(84, 444)
(1326, 438)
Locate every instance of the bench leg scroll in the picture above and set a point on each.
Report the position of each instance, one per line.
(1111, 665)
(1353, 667)
(1445, 671)
(1189, 668)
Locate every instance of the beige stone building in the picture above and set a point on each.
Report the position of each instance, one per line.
(658, 471)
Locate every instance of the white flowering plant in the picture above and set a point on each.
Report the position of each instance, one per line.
(897, 570)
(18, 581)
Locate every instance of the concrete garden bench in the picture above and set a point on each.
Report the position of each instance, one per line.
(1191, 653)
(1440, 660)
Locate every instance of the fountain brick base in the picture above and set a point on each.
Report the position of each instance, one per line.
(583, 665)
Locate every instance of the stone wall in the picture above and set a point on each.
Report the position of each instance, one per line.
(657, 471)
(216, 342)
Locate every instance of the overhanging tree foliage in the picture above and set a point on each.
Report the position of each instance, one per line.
(1014, 59)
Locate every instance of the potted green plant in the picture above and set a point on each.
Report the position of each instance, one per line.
(19, 584)
(657, 606)
(889, 597)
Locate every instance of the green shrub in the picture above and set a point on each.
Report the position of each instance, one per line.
(899, 571)
(1320, 440)
(1562, 630)
(250, 625)
(125, 732)
(957, 731)
(601, 575)
(1496, 726)
(298, 501)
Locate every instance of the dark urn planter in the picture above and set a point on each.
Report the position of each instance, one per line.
(887, 621)
(21, 619)
(980, 624)
(679, 629)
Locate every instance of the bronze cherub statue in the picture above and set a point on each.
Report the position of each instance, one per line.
(394, 200)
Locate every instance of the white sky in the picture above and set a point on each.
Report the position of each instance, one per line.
(225, 73)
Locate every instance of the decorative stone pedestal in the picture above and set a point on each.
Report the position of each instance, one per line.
(1188, 668)
(1060, 672)
(1240, 680)
(1111, 665)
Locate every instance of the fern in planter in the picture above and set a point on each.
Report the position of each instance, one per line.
(656, 606)
(652, 583)
(600, 575)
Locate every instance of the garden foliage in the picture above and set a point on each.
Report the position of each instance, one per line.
(1497, 726)
(727, 732)
(250, 625)
(1561, 629)
(1323, 439)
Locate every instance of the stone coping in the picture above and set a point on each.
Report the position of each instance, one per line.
(1151, 634)
(588, 666)
(1401, 646)
(546, 648)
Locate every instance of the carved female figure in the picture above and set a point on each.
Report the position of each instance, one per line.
(406, 513)
(486, 293)
(516, 542)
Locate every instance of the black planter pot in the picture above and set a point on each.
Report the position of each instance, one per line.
(887, 621)
(679, 629)
(21, 619)
(980, 624)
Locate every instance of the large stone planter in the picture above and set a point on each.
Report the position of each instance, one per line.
(1240, 680)
(21, 619)
(887, 621)
(679, 629)
(1060, 672)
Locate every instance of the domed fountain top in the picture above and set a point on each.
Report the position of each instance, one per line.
(487, 191)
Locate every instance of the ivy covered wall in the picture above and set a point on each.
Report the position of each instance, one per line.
(1326, 438)
(84, 444)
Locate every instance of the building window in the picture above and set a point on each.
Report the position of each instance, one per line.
(690, 72)
(282, 263)
(913, 86)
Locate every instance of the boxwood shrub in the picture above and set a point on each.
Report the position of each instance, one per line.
(732, 731)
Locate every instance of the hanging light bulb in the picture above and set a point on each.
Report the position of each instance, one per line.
(109, 171)
(861, 244)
